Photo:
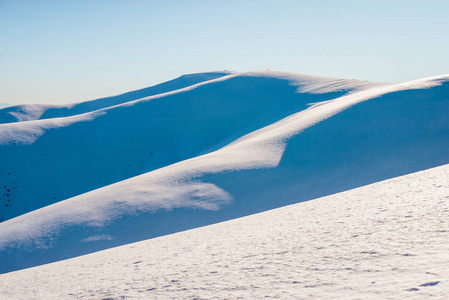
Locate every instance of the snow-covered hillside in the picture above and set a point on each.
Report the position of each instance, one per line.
(214, 151)
(388, 240)
(29, 112)
(88, 151)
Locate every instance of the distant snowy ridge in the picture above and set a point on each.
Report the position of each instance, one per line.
(304, 83)
(337, 144)
(387, 240)
(317, 84)
(30, 112)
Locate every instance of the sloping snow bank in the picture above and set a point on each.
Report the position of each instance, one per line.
(387, 240)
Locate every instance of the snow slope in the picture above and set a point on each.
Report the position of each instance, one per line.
(387, 240)
(88, 151)
(29, 112)
(252, 144)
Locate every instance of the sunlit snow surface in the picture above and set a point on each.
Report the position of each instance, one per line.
(388, 240)
(227, 146)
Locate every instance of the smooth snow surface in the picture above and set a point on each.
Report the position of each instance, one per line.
(28, 112)
(87, 151)
(387, 240)
(217, 150)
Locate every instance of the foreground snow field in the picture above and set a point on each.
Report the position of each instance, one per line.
(230, 145)
(387, 240)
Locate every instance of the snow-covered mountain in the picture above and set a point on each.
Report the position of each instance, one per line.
(29, 112)
(387, 240)
(88, 151)
(105, 173)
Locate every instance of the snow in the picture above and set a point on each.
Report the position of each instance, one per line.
(387, 240)
(87, 151)
(29, 112)
(148, 167)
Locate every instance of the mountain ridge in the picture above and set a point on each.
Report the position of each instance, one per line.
(29, 112)
(136, 137)
(344, 141)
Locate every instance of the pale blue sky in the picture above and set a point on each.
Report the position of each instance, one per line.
(66, 51)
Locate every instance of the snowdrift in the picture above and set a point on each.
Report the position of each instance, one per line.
(214, 151)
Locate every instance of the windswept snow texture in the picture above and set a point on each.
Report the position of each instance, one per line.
(29, 112)
(218, 150)
(387, 240)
